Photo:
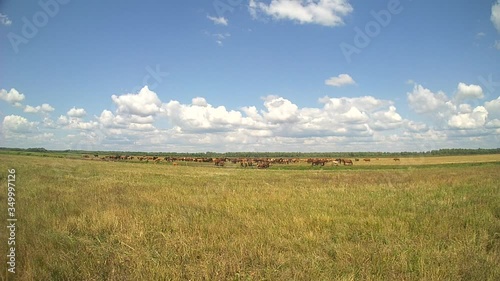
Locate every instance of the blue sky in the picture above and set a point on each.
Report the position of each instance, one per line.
(250, 75)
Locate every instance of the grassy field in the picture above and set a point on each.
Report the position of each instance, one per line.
(97, 220)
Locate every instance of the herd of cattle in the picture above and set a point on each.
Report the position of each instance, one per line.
(260, 163)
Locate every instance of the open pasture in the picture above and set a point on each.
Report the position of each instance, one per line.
(299, 163)
(430, 160)
(107, 220)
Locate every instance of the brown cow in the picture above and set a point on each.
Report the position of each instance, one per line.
(318, 162)
(219, 162)
(263, 165)
(347, 162)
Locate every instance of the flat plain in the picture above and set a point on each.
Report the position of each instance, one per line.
(422, 218)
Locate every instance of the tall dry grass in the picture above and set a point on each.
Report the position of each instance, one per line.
(92, 220)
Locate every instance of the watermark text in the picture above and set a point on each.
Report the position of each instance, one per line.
(11, 220)
(364, 36)
(31, 26)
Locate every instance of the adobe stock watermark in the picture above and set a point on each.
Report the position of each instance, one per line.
(223, 6)
(11, 220)
(363, 37)
(31, 26)
(488, 84)
(155, 76)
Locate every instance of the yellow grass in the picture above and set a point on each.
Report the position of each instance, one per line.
(97, 220)
(428, 160)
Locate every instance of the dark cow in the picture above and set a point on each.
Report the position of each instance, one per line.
(316, 161)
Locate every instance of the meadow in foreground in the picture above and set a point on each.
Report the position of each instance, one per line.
(93, 220)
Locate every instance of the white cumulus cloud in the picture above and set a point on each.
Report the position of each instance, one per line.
(134, 116)
(44, 108)
(495, 123)
(141, 121)
(341, 80)
(109, 120)
(199, 101)
(81, 125)
(471, 91)
(62, 120)
(364, 103)
(385, 120)
(416, 126)
(280, 110)
(203, 117)
(422, 100)
(76, 112)
(18, 124)
(321, 12)
(472, 120)
(145, 103)
(353, 115)
(49, 123)
(13, 96)
(493, 108)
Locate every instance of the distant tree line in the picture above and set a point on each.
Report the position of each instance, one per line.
(439, 152)
(34, 149)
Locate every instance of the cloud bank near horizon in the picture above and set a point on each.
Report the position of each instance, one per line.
(143, 122)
